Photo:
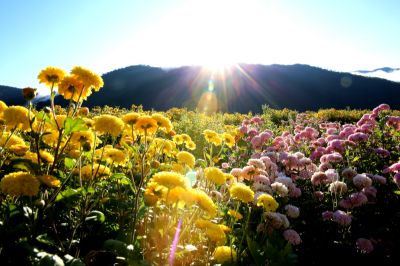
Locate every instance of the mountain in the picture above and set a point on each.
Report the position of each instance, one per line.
(388, 73)
(11, 95)
(241, 89)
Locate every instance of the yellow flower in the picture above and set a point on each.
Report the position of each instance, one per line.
(17, 116)
(228, 140)
(108, 124)
(130, 118)
(206, 203)
(209, 135)
(153, 193)
(241, 192)
(178, 139)
(186, 158)
(51, 75)
(51, 137)
(81, 138)
(169, 179)
(146, 124)
(72, 88)
(60, 119)
(115, 156)
(178, 168)
(268, 202)
(88, 78)
(224, 254)
(215, 175)
(190, 145)
(186, 138)
(19, 149)
(162, 122)
(216, 234)
(8, 141)
(45, 157)
(3, 106)
(235, 214)
(20, 184)
(49, 181)
(97, 171)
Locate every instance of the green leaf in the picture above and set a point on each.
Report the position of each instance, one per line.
(68, 194)
(97, 216)
(43, 116)
(255, 251)
(357, 158)
(69, 163)
(73, 125)
(397, 192)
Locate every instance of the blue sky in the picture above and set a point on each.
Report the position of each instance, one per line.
(102, 35)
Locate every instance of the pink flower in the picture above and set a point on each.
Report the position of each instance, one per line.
(327, 215)
(349, 173)
(266, 135)
(358, 137)
(364, 245)
(396, 179)
(256, 142)
(294, 192)
(380, 108)
(318, 178)
(319, 195)
(292, 211)
(341, 218)
(394, 168)
(338, 187)
(236, 172)
(262, 179)
(370, 191)
(243, 129)
(248, 172)
(379, 179)
(362, 181)
(225, 165)
(358, 199)
(292, 236)
(256, 120)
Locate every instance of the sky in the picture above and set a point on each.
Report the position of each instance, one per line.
(104, 35)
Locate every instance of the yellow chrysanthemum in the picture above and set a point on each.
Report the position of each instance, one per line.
(206, 203)
(3, 106)
(88, 78)
(186, 138)
(51, 75)
(98, 171)
(51, 137)
(19, 184)
(214, 175)
(169, 179)
(190, 145)
(8, 141)
(146, 124)
(89, 122)
(72, 88)
(268, 202)
(235, 214)
(229, 178)
(216, 234)
(114, 156)
(228, 140)
(209, 135)
(153, 193)
(130, 118)
(224, 254)
(49, 181)
(241, 192)
(60, 119)
(45, 157)
(81, 139)
(17, 116)
(108, 124)
(178, 168)
(162, 122)
(178, 139)
(186, 158)
(19, 149)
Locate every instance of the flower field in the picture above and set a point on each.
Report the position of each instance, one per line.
(112, 186)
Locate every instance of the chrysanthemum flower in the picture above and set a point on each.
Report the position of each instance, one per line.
(153, 193)
(146, 124)
(49, 181)
(108, 124)
(186, 158)
(51, 75)
(190, 145)
(241, 192)
(178, 139)
(72, 88)
(17, 116)
(8, 141)
(235, 214)
(206, 203)
(80, 138)
(228, 140)
(3, 106)
(169, 179)
(162, 122)
(88, 78)
(267, 202)
(19, 184)
(130, 118)
(45, 157)
(224, 254)
(214, 175)
(97, 171)
(114, 156)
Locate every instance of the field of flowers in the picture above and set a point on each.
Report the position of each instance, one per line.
(131, 187)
